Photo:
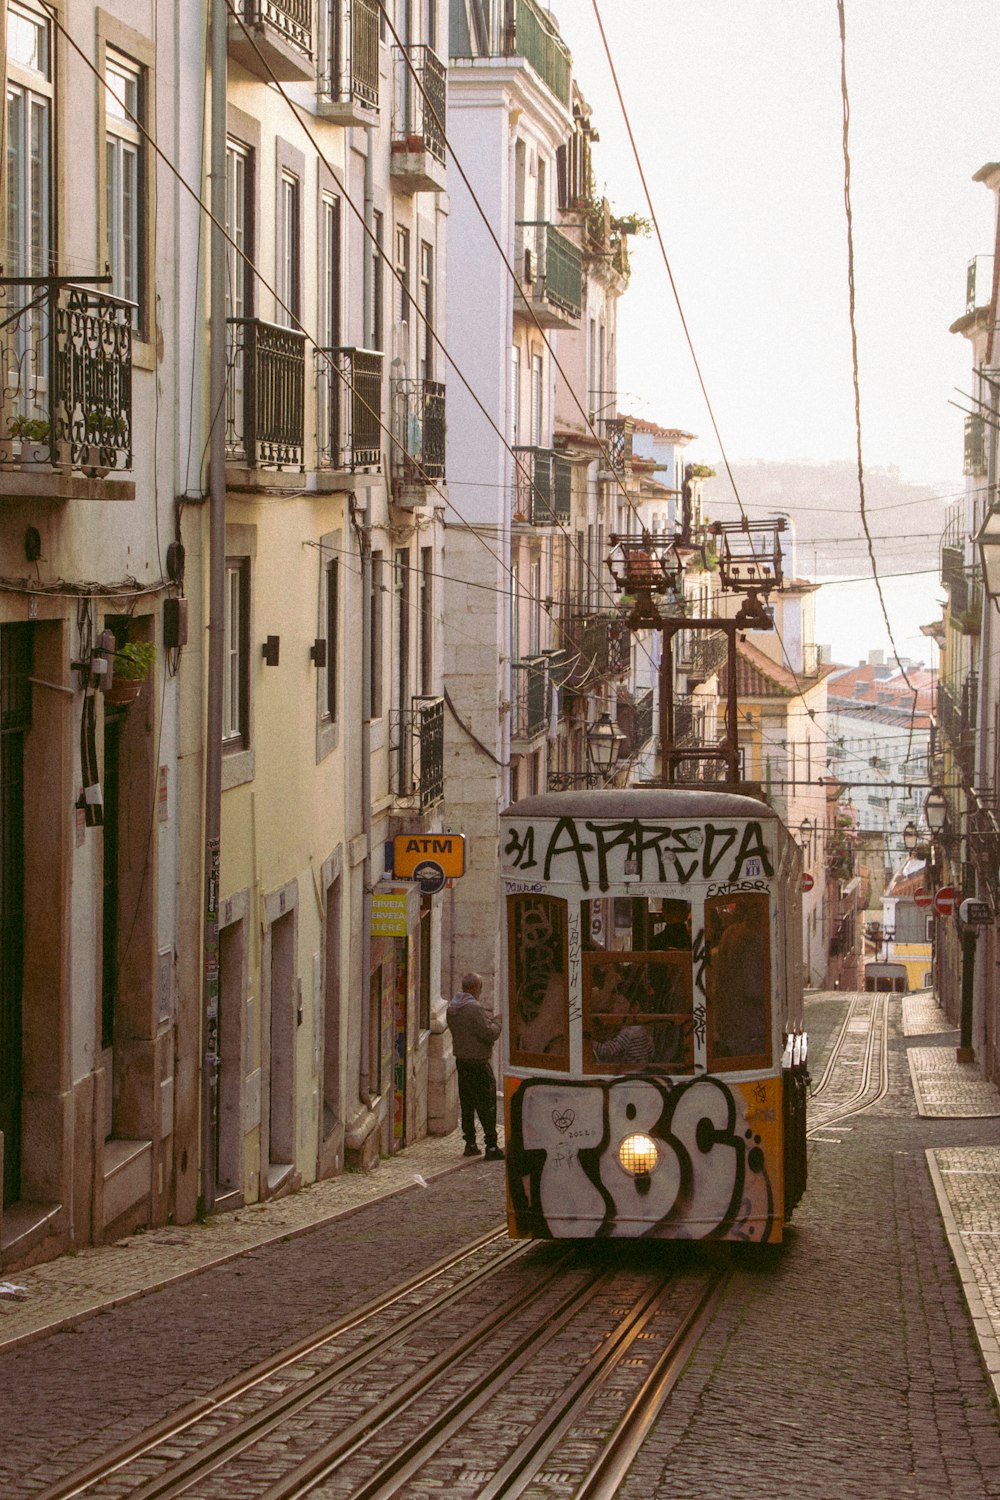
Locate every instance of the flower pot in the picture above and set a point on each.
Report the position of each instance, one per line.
(123, 692)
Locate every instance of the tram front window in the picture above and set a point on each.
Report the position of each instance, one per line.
(738, 980)
(637, 985)
(537, 968)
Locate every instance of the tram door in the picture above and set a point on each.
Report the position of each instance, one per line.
(15, 719)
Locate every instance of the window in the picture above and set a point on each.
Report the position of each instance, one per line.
(537, 964)
(515, 613)
(402, 642)
(427, 308)
(239, 249)
(332, 640)
(329, 311)
(535, 610)
(289, 308)
(515, 396)
(236, 672)
(375, 609)
(403, 278)
(637, 985)
(426, 620)
(378, 284)
(738, 981)
(29, 144)
(536, 401)
(123, 102)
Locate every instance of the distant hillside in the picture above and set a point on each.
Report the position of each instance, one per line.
(906, 520)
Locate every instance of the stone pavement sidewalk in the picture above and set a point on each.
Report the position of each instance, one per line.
(966, 1179)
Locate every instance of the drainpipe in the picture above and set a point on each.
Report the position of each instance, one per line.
(216, 607)
(363, 528)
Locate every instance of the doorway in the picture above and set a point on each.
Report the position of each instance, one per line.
(15, 720)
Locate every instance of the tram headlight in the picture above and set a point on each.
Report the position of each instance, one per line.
(638, 1155)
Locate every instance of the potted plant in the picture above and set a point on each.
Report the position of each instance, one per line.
(133, 663)
(22, 429)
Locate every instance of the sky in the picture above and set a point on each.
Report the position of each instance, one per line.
(736, 109)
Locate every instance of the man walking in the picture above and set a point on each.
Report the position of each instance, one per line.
(473, 1033)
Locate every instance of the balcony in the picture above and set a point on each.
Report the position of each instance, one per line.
(550, 269)
(348, 78)
(956, 716)
(265, 395)
(416, 752)
(635, 720)
(418, 437)
(598, 646)
(616, 435)
(529, 705)
(66, 353)
(349, 410)
(417, 148)
(273, 39)
(519, 29)
(543, 481)
(975, 445)
(701, 653)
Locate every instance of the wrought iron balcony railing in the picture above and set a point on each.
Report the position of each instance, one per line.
(543, 482)
(702, 652)
(617, 435)
(273, 38)
(549, 266)
(956, 716)
(416, 752)
(529, 709)
(635, 720)
(419, 101)
(66, 355)
(265, 394)
(349, 409)
(597, 646)
(349, 71)
(418, 428)
(517, 29)
(975, 445)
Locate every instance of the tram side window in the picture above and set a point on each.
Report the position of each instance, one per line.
(738, 980)
(537, 969)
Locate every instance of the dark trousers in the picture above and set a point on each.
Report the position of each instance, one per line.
(477, 1095)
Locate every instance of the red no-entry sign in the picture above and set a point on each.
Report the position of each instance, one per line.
(923, 898)
(944, 901)
(807, 881)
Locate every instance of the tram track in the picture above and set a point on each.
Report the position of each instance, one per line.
(872, 1069)
(571, 1355)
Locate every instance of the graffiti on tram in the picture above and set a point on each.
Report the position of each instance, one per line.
(711, 1178)
(585, 853)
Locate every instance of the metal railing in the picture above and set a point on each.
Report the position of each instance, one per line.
(292, 18)
(530, 35)
(975, 445)
(350, 66)
(66, 357)
(348, 409)
(265, 394)
(617, 435)
(419, 102)
(635, 720)
(549, 265)
(597, 646)
(956, 717)
(418, 428)
(529, 694)
(416, 751)
(542, 486)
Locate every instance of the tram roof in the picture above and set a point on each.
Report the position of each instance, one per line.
(649, 803)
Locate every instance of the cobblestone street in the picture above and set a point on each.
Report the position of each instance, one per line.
(843, 1364)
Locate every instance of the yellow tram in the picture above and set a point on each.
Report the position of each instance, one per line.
(655, 1078)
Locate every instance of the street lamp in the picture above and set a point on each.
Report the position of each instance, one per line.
(987, 539)
(936, 810)
(910, 837)
(604, 742)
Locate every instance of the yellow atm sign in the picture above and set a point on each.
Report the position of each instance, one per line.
(446, 850)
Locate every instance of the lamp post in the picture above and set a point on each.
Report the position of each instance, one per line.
(604, 742)
(910, 837)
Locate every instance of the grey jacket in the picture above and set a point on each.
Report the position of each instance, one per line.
(473, 1032)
